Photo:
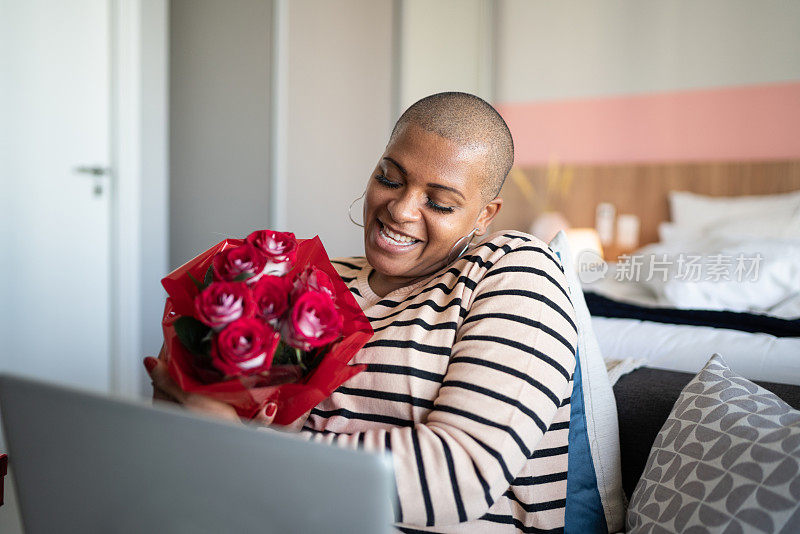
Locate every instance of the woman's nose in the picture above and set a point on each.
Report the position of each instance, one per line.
(404, 208)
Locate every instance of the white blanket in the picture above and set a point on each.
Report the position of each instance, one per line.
(714, 273)
(688, 348)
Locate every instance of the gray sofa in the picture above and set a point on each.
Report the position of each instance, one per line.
(645, 398)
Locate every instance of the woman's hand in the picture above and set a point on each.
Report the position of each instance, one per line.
(165, 389)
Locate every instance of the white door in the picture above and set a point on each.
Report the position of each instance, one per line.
(55, 77)
(54, 119)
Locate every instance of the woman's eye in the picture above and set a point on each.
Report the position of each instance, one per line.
(386, 182)
(437, 207)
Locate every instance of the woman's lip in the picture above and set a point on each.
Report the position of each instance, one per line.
(388, 246)
(383, 224)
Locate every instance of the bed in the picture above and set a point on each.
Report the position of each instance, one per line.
(718, 272)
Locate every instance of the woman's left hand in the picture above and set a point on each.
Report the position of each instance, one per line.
(165, 389)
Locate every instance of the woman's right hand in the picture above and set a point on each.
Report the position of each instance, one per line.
(165, 389)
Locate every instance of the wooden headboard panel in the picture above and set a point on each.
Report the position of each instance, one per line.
(639, 189)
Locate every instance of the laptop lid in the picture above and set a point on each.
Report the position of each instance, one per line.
(87, 463)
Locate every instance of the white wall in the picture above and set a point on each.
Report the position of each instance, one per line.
(336, 119)
(154, 201)
(573, 49)
(445, 45)
(343, 91)
(138, 188)
(339, 113)
(219, 122)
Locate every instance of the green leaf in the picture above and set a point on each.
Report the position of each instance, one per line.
(314, 358)
(284, 354)
(191, 334)
(205, 348)
(299, 354)
(196, 282)
(243, 276)
(278, 357)
(209, 275)
(209, 336)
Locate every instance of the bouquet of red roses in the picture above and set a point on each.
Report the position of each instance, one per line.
(262, 319)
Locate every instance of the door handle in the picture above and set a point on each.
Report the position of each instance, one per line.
(96, 170)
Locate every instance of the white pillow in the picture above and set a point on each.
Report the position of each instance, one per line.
(760, 215)
(602, 427)
(769, 272)
(719, 272)
(762, 227)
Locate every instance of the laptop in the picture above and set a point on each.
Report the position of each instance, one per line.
(86, 463)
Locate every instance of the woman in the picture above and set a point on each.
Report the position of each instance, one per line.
(468, 375)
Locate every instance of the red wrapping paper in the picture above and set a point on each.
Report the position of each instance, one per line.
(250, 393)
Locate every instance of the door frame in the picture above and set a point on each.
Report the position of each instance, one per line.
(139, 185)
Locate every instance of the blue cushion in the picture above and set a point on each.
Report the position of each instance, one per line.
(584, 510)
(595, 501)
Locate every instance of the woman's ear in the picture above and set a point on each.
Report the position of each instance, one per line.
(488, 214)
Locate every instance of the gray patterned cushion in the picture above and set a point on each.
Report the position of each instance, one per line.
(727, 460)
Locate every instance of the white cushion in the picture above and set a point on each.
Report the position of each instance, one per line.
(600, 405)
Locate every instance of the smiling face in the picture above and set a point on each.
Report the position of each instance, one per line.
(423, 196)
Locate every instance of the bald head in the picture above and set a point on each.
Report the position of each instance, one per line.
(466, 120)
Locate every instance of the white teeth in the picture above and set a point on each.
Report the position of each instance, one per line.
(397, 238)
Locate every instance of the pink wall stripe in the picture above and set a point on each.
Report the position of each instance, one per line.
(734, 123)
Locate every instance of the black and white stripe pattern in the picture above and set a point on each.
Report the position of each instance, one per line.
(467, 385)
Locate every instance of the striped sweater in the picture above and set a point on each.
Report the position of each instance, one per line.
(467, 385)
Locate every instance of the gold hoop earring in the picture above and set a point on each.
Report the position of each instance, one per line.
(350, 210)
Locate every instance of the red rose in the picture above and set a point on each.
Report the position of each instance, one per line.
(224, 302)
(280, 249)
(313, 279)
(271, 296)
(244, 347)
(243, 261)
(313, 321)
